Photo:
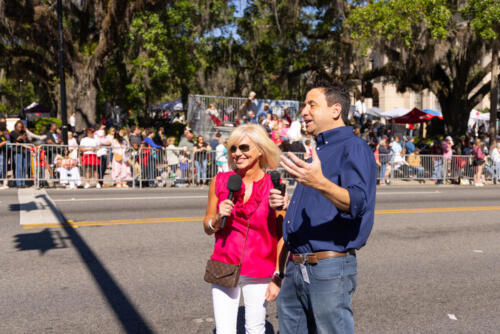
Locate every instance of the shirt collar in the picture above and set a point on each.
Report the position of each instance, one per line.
(336, 134)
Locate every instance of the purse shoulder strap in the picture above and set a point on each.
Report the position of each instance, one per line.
(245, 242)
(248, 227)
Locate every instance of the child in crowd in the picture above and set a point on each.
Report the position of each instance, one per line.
(69, 173)
(184, 159)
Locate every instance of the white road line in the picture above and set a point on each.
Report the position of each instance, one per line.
(34, 207)
(477, 251)
(408, 192)
(452, 316)
(73, 199)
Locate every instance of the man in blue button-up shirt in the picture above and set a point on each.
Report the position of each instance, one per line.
(329, 216)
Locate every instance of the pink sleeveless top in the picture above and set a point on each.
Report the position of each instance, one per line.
(259, 257)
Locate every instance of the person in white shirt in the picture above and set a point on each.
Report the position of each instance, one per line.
(72, 121)
(72, 146)
(69, 173)
(495, 158)
(221, 157)
(212, 110)
(172, 156)
(90, 161)
(104, 142)
(294, 130)
(360, 112)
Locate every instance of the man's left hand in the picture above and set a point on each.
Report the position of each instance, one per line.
(308, 174)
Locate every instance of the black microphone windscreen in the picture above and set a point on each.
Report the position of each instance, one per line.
(234, 183)
(275, 178)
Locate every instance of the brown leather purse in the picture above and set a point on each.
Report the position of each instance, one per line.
(225, 274)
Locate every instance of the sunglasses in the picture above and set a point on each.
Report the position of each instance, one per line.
(243, 148)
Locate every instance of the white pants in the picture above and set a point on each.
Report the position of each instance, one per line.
(227, 300)
(72, 176)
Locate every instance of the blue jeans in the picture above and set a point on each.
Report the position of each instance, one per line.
(438, 170)
(201, 170)
(3, 166)
(419, 170)
(21, 162)
(383, 168)
(323, 306)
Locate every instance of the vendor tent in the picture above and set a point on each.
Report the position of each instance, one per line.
(175, 105)
(374, 111)
(35, 110)
(414, 116)
(396, 112)
(479, 118)
(433, 112)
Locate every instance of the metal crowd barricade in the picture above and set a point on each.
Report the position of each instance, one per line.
(287, 176)
(226, 106)
(227, 110)
(53, 165)
(163, 167)
(458, 169)
(17, 167)
(76, 166)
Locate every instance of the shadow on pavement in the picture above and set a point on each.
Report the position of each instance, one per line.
(130, 319)
(41, 241)
(30, 206)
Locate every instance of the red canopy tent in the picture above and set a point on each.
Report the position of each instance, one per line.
(414, 116)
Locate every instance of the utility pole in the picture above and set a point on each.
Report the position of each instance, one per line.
(62, 80)
(21, 95)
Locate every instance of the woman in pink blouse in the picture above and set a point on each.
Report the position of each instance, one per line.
(251, 152)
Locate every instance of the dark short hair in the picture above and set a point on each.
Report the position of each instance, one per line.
(218, 135)
(132, 128)
(335, 92)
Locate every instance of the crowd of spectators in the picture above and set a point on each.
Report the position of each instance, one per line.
(130, 155)
(461, 160)
(111, 155)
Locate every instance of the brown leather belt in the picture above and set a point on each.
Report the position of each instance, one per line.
(313, 258)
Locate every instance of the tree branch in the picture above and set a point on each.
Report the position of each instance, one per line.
(477, 97)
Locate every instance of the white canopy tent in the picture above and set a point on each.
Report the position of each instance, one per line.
(477, 118)
(396, 112)
(374, 111)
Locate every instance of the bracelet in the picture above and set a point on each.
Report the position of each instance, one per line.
(278, 274)
(210, 225)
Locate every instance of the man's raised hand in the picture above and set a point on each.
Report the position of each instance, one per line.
(308, 174)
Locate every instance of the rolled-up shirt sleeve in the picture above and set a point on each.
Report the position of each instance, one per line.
(356, 173)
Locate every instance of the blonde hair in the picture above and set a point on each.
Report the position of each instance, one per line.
(270, 157)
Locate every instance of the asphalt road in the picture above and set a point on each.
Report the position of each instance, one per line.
(136, 263)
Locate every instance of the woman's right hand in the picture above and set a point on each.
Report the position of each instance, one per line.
(226, 208)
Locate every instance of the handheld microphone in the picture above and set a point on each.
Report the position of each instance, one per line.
(276, 178)
(233, 185)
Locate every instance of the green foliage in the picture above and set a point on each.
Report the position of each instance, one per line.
(41, 124)
(431, 44)
(402, 21)
(166, 49)
(286, 44)
(12, 92)
(484, 16)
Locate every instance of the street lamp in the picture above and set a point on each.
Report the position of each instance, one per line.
(62, 80)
